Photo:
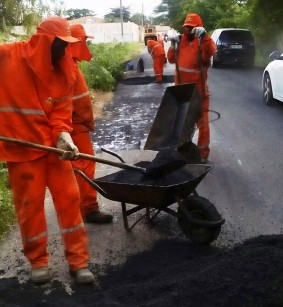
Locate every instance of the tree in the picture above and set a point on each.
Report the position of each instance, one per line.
(78, 13)
(115, 16)
(170, 13)
(214, 13)
(139, 19)
(26, 12)
(267, 23)
(8, 14)
(218, 13)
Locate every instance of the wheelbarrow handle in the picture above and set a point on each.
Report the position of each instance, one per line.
(80, 155)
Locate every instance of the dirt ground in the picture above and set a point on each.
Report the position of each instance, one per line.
(172, 272)
(99, 99)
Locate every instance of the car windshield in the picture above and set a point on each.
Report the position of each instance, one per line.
(236, 36)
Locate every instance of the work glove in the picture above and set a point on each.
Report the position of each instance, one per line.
(66, 143)
(174, 41)
(198, 32)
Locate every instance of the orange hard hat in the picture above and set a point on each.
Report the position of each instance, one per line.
(78, 31)
(58, 27)
(193, 20)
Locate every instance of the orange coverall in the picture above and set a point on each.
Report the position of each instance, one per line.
(36, 105)
(189, 71)
(157, 53)
(83, 123)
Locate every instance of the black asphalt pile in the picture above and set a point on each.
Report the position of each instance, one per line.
(173, 273)
(167, 168)
(146, 80)
(136, 178)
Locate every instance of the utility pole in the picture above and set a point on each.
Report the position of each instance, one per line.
(142, 16)
(121, 17)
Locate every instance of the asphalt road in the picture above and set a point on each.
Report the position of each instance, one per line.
(244, 184)
(245, 146)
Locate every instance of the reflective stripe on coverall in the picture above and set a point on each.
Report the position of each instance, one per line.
(28, 181)
(35, 106)
(157, 53)
(190, 72)
(83, 123)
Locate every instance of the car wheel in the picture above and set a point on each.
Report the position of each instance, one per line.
(267, 90)
(213, 62)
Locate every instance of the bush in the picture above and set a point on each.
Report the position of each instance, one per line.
(6, 205)
(99, 78)
(4, 38)
(106, 68)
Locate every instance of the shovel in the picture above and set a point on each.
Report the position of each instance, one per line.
(61, 152)
(152, 171)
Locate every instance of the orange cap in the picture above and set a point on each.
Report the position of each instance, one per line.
(58, 27)
(78, 31)
(193, 20)
(80, 50)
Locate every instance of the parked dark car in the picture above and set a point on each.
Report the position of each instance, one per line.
(234, 46)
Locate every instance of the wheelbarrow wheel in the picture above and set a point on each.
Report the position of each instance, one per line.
(200, 209)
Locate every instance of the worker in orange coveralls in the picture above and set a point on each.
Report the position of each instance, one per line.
(191, 52)
(160, 39)
(37, 76)
(157, 52)
(83, 123)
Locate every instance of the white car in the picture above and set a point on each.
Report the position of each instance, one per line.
(272, 86)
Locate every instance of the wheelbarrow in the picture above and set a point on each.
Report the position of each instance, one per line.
(197, 216)
(173, 128)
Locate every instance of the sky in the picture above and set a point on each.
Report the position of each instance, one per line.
(103, 7)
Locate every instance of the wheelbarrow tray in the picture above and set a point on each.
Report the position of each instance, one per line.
(174, 123)
(131, 187)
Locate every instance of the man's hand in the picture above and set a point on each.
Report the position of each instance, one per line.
(66, 143)
(198, 32)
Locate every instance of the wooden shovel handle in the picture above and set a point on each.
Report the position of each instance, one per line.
(80, 155)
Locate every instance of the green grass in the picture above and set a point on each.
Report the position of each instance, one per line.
(106, 68)
(6, 204)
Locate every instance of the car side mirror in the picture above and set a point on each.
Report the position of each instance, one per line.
(275, 55)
